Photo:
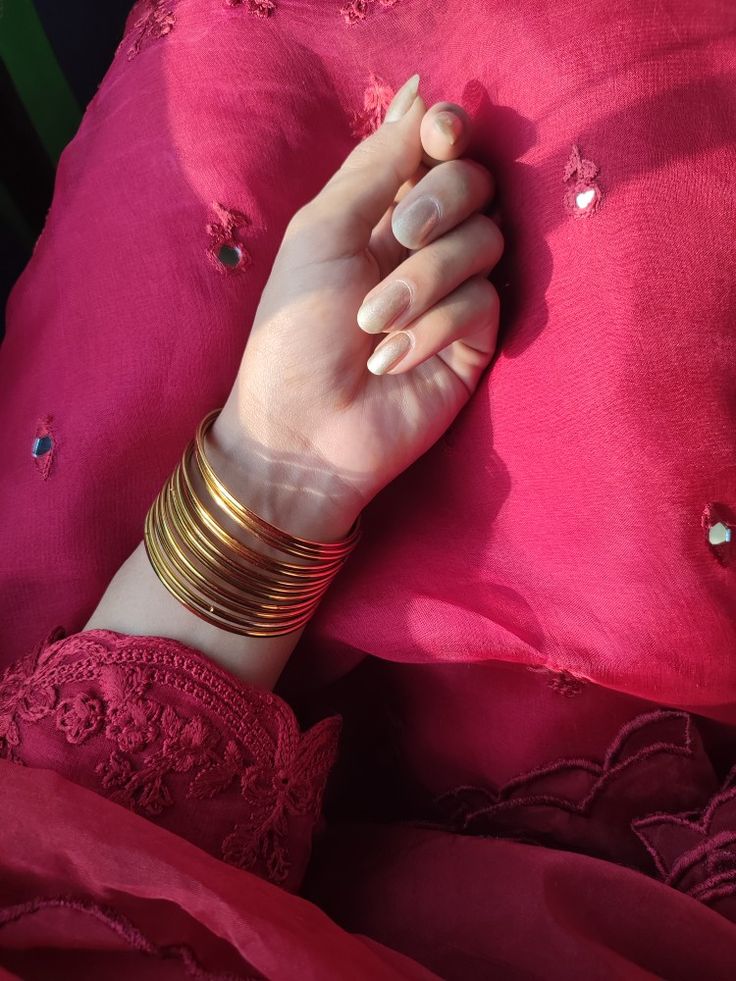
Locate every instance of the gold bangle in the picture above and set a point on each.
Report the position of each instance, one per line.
(212, 609)
(269, 589)
(186, 570)
(206, 551)
(280, 539)
(219, 578)
(274, 565)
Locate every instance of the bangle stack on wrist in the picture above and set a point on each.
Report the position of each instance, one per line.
(219, 578)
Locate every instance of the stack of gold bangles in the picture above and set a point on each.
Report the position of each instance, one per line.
(221, 579)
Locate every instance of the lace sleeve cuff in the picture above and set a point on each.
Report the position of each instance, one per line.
(155, 726)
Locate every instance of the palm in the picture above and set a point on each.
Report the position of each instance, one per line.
(304, 391)
(389, 421)
(367, 429)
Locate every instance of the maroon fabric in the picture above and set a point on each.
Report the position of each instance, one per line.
(552, 629)
(91, 890)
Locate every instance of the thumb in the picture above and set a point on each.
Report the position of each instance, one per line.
(358, 194)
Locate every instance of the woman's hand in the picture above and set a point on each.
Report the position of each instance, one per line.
(309, 434)
(320, 418)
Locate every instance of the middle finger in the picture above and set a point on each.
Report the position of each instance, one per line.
(443, 198)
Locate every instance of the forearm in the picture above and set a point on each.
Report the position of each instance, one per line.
(136, 602)
(299, 502)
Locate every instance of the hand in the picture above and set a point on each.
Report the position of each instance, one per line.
(320, 418)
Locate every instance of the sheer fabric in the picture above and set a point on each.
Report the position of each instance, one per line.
(532, 649)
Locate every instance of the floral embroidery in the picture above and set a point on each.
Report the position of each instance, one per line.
(474, 805)
(79, 717)
(287, 789)
(155, 19)
(355, 10)
(218, 776)
(250, 747)
(588, 806)
(583, 197)
(116, 771)
(560, 680)
(22, 696)
(185, 743)
(131, 719)
(261, 8)
(226, 250)
(376, 100)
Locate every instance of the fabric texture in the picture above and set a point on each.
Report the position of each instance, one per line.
(92, 890)
(532, 647)
(156, 727)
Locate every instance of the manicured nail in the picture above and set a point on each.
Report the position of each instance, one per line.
(449, 125)
(403, 100)
(384, 307)
(413, 223)
(389, 352)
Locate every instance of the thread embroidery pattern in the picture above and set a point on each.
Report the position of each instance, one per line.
(355, 10)
(475, 808)
(583, 196)
(605, 808)
(260, 8)
(243, 741)
(226, 251)
(560, 681)
(376, 100)
(695, 852)
(123, 928)
(155, 19)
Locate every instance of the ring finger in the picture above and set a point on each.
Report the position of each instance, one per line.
(420, 281)
(469, 315)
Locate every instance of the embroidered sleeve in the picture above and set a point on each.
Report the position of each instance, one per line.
(158, 728)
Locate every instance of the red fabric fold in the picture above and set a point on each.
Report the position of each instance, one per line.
(131, 884)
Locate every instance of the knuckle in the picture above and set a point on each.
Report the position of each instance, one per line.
(473, 174)
(308, 220)
(300, 220)
(485, 295)
(490, 237)
(366, 155)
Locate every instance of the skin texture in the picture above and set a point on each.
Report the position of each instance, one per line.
(309, 435)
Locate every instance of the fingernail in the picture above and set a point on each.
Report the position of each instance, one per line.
(389, 352)
(384, 307)
(449, 125)
(412, 224)
(403, 100)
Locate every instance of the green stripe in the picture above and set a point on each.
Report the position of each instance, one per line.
(37, 77)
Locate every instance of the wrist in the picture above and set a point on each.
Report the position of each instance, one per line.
(286, 489)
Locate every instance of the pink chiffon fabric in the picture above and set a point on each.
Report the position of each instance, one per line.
(532, 649)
